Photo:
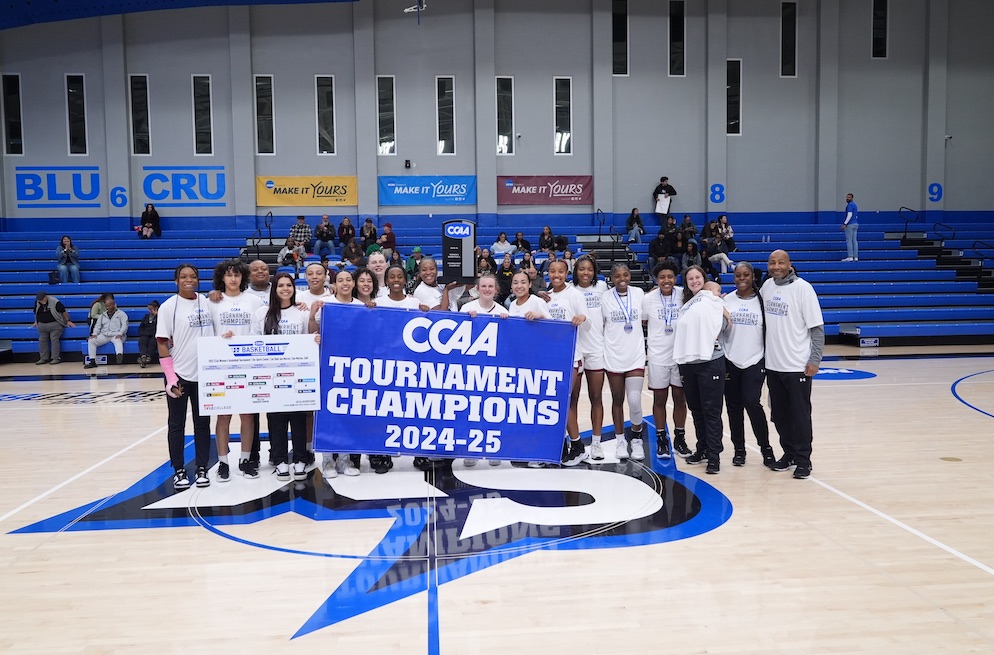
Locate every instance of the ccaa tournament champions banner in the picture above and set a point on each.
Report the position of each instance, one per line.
(443, 384)
(306, 191)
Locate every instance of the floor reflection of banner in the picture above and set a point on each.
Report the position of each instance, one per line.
(248, 375)
(442, 384)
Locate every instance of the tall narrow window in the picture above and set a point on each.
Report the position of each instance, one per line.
(203, 116)
(788, 39)
(141, 142)
(76, 106)
(386, 115)
(619, 35)
(325, 87)
(13, 139)
(445, 93)
(733, 95)
(265, 124)
(879, 29)
(505, 115)
(564, 115)
(677, 45)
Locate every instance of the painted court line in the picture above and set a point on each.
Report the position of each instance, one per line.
(79, 475)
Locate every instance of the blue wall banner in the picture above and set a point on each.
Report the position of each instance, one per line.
(395, 190)
(441, 384)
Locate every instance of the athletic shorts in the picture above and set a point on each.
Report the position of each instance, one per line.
(662, 376)
(592, 361)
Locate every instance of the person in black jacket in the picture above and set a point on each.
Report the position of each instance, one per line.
(148, 350)
(521, 244)
(664, 194)
(150, 222)
(659, 249)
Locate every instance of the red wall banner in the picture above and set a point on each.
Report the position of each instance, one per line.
(545, 190)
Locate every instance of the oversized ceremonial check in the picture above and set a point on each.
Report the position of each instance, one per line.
(249, 375)
(443, 384)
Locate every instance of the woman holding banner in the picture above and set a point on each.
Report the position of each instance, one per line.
(366, 287)
(567, 304)
(283, 317)
(432, 294)
(591, 345)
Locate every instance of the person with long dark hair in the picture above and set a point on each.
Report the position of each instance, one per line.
(233, 315)
(68, 257)
(634, 226)
(184, 318)
(284, 318)
(567, 304)
(151, 225)
(745, 366)
(590, 343)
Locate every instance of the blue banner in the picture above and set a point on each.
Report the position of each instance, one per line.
(398, 190)
(442, 384)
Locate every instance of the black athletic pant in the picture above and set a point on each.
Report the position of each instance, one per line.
(704, 388)
(254, 456)
(743, 388)
(176, 427)
(790, 407)
(279, 422)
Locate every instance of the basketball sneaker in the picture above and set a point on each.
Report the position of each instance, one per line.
(621, 447)
(596, 451)
(713, 466)
(201, 479)
(575, 454)
(248, 468)
(282, 471)
(698, 457)
(785, 463)
(638, 450)
(299, 471)
(769, 459)
(802, 472)
(180, 480)
(739, 459)
(223, 472)
(329, 467)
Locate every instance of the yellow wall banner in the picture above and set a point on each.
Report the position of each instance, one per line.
(306, 190)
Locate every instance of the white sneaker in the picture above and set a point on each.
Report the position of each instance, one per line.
(351, 470)
(847, 259)
(299, 471)
(638, 450)
(469, 463)
(494, 462)
(596, 450)
(855, 259)
(329, 467)
(282, 471)
(621, 447)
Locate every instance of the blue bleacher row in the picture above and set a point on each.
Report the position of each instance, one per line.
(890, 291)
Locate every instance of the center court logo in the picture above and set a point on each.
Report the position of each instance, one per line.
(471, 520)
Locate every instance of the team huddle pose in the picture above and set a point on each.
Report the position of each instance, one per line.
(707, 349)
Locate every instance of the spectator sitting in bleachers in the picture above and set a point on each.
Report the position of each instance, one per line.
(505, 274)
(544, 268)
(717, 252)
(491, 262)
(568, 258)
(397, 260)
(546, 240)
(691, 257)
(301, 234)
(483, 267)
(538, 284)
(68, 257)
(367, 234)
(324, 237)
(501, 246)
(150, 224)
(292, 254)
(634, 226)
(413, 262)
(687, 229)
(726, 231)
(346, 231)
(659, 249)
(387, 240)
(521, 244)
(527, 261)
(148, 351)
(112, 327)
(352, 253)
(97, 308)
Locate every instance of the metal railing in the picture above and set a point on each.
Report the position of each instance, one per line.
(951, 234)
(600, 217)
(257, 235)
(983, 250)
(910, 216)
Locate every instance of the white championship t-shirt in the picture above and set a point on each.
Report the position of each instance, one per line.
(184, 321)
(474, 306)
(662, 313)
(791, 311)
(432, 296)
(701, 320)
(262, 294)
(591, 340)
(744, 342)
(234, 314)
(533, 304)
(564, 305)
(292, 321)
(624, 345)
(409, 302)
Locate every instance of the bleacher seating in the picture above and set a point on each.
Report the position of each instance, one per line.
(898, 292)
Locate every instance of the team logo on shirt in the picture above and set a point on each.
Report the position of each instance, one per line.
(776, 305)
(742, 316)
(200, 319)
(443, 526)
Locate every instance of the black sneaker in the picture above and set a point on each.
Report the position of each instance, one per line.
(248, 468)
(769, 459)
(380, 463)
(680, 446)
(663, 447)
(697, 458)
(223, 472)
(714, 467)
(422, 463)
(785, 463)
(90, 364)
(802, 472)
(119, 359)
(180, 480)
(201, 479)
(739, 459)
(575, 453)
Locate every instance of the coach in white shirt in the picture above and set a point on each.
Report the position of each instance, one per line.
(795, 338)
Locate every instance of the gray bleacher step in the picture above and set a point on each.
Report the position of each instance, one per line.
(897, 236)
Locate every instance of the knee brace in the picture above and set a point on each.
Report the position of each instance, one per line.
(633, 391)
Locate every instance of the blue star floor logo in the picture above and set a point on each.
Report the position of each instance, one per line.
(448, 522)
